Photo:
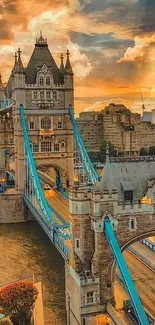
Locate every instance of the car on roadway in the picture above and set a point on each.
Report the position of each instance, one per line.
(47, 187)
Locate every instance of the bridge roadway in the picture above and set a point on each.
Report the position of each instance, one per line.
(61, 205)
(144, 278)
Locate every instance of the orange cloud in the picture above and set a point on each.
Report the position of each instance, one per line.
(144, 49)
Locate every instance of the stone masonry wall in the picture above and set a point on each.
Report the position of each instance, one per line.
(11, 208)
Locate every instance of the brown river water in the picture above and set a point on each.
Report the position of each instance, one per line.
(25, 250)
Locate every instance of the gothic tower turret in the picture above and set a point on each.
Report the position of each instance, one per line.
(62, 68)
(68, 81)
(1, 89)
(18, 76)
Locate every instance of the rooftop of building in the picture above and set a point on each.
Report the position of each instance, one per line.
(127, 174)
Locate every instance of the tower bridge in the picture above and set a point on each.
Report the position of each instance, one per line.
(38, 129)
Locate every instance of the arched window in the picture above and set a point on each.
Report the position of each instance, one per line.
(41, 81)
(31, 125)
(48, 81)
(45, 123)
(62, 147)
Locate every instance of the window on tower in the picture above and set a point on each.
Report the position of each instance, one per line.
(45, 123)
(48, 81)
(35, 147)
(89, 297)
(56, 147)
(42, 95)
(31, 125)
(55, 95)
(35, 95)
(46, 146)
(48, 95)
(41, 81)
(60, 125)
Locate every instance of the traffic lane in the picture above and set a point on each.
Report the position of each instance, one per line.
(59, 203)
(144, 280)
(120, 295)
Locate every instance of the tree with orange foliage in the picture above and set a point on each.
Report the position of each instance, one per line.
(17, 301)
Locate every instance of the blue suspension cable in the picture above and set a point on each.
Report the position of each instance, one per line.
(136, 302)
(32, 165)
(92, 174)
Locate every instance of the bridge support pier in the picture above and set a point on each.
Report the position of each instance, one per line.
(83, 298)
(88, 274)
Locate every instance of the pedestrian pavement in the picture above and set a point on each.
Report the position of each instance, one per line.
(145, 251)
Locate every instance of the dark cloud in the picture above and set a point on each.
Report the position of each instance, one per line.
(101, 41)
(86, 41)
(137, 17)
(107, 71)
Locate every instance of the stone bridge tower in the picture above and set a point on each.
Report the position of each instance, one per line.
(90, 274)
(45, 92)
(6, 136)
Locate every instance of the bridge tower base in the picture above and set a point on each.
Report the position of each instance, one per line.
(80, 298)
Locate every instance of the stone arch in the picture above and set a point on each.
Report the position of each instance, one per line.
(59, 172)
(131, 241)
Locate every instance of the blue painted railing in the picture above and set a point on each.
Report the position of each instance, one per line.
(88, 166)
(6, 103)
(127, 279)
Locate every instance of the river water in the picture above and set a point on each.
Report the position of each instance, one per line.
(26, 249)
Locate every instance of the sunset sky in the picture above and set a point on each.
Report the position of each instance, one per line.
(112, 45)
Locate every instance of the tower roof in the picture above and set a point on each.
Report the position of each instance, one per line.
(40, 56)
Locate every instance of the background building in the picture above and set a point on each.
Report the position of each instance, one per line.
(91, 127)
(118, 125)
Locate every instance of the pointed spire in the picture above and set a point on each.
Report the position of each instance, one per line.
(107, 154)
(68, 68)
(15, 63)
(1, 85)
(106, 179)
(20, 67)
(1, 88)
(62, 62)
(41, 41)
